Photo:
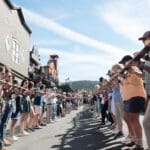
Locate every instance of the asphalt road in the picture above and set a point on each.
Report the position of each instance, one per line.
(76, 131)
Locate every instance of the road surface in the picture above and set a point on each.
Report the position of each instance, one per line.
(76, 131)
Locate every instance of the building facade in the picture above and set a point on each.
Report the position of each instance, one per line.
(34, 67)
(48, 74)
(53, 69)
(14, 39)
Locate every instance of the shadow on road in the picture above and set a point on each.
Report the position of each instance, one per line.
(84, 135)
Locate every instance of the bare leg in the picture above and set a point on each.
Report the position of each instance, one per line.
(22, 123)
(12, 127)
(114, 118)
(136, 127)
(25, 120)
(31, 120)
(129, 124)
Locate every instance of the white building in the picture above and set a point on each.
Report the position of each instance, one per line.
(14, 39)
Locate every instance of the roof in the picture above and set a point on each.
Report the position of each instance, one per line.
(20, 14)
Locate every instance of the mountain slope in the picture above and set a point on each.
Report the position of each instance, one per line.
(85, 84)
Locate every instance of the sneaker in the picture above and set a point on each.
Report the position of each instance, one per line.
(115, 131)
(42, 124)
(13, 139)
(137, 147)
(56, 120)
(108, 123)
(16, 138)
(118, 135)
(24, 133)
(27, 130)
(52, 121)
(126, 140)
(38, 127)
(31, 129)
(7, 142)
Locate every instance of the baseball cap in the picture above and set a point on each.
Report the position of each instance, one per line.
(145, 35)
(125, 59)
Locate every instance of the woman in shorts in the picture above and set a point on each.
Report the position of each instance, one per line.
(134, 96)
(26, 108)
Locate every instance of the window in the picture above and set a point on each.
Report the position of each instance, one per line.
(15, 51)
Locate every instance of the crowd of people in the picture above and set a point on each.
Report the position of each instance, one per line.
(29, 105)
(125, 95)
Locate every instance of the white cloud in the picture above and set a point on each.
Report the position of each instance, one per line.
(49, 42)
(79, 65)
(78, 57)
(128, 18)
(57, 14)
(49, 24)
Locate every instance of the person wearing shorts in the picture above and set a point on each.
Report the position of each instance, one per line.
(38, 103)
(134, 101)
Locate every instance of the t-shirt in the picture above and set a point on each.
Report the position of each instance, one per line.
(38, 101)
(54, 100)
(132, 87)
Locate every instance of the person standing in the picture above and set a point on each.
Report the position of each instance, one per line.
(38, 102)
(146, 122)
(8, 95)
(26, 108)
(15, 115)
(97, 100)
(134, 101)
(104, 106)
(116, 94)
(53, 107)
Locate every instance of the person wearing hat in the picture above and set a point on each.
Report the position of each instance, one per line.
(145, 38)
(134, 96)
(125, 59)
(146, 67)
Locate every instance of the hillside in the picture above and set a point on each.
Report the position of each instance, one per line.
(89, 85)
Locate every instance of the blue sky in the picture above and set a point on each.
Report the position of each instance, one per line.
(88, 35)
